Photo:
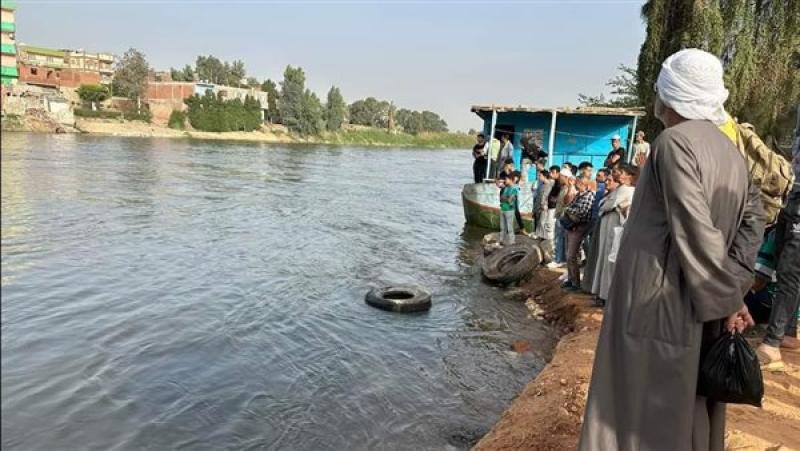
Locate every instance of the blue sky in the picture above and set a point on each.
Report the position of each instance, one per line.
(438, 55)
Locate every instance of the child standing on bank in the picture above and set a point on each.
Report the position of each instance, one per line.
(508, 202)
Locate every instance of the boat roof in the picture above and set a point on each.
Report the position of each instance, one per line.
(587, 110)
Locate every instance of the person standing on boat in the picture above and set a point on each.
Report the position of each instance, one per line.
(641, 150)
(479, 155)
(617, 154)
(684, 264)
(506, 150)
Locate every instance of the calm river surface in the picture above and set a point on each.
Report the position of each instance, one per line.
(168, 294)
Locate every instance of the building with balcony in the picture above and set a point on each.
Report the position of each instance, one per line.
(8, 45)
(43, 66)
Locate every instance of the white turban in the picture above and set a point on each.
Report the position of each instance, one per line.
(690, 82)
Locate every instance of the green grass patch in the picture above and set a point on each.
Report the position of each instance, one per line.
(379, 137)
(99, 114)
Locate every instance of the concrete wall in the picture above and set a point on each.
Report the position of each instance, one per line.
(45, 76)
(169, 90)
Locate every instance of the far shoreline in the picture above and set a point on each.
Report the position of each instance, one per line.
(269, 134)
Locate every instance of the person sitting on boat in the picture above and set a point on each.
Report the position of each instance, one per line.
(479, 155)
(508, 200)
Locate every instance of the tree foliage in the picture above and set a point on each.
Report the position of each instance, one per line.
(92, 93)
(415, 122)
(292, 97)
(177, 120)
(370, 112)
(335, 110)
(376, 113)
(213, 113)
(624, 91)
(130, 74)
(185, 74)
(757, 40)
(213, 70)
(273, 114)
(312, 116)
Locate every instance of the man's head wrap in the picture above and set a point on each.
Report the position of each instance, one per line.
(690, 82)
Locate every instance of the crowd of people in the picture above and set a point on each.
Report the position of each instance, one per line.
(685, 260)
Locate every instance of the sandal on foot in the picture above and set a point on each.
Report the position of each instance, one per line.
(767, 364)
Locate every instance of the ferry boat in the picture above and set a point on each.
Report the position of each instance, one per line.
(566, 134)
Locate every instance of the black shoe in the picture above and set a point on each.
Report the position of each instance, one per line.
(599, 302)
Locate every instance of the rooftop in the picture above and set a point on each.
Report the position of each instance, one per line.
(42, 51)
(601, 111)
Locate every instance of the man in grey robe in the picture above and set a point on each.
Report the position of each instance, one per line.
(684, 265)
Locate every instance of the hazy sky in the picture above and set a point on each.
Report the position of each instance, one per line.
(438, 55)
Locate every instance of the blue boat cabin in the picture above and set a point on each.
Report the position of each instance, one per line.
(566, 134)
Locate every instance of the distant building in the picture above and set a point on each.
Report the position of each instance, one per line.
(164, 96)
(8, 46)
(63, 68)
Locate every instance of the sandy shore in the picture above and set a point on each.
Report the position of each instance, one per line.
(547, 414)
(141, 129)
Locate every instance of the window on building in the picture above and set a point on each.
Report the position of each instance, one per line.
(34, 71)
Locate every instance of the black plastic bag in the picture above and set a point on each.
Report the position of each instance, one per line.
(730, 372)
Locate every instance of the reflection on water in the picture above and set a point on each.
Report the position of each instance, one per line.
(166, 294)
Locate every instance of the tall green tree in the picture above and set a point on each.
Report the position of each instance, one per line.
(312, 115)
(211, 69)
(335, 109)
(236, 73)
(130, 75)
(273, 97)
(188, 73)
(292, 97)
(757, 40)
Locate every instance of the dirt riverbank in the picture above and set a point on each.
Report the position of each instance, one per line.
(276, 134)
(547, 414)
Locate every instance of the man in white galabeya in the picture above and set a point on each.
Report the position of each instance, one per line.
(684, 265)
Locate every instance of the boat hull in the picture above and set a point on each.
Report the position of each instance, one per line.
(482, 205)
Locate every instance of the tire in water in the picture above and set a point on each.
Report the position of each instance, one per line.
(400, 298)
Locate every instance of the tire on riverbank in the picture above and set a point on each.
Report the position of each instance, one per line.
(400, 298)
(491, 242)
(511, 264)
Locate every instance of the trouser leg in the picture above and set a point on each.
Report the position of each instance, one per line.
(574, 240)
(783, 317)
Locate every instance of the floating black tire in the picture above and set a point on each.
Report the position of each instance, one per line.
(491, 242)
(511, 264)
(400, 298)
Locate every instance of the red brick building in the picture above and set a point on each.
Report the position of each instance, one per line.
(63, 68)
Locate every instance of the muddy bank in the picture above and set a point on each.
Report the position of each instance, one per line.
(547, 415)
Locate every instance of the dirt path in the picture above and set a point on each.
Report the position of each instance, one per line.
(547, 414)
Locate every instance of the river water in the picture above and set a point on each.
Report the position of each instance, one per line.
(169, 294)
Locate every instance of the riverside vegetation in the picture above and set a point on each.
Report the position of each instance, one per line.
(293, 114)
